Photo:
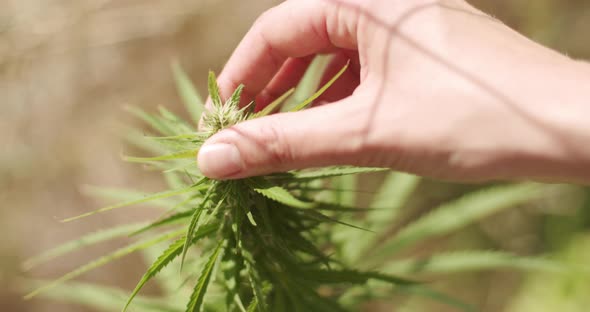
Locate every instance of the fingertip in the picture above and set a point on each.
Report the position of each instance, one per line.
(220, 160)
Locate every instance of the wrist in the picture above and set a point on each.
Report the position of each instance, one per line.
(557, 112)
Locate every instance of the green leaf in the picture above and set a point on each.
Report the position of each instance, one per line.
(86, 240)
(327, 172)
(297, 242)
(477, 260)
(189, 94)
(152, 197)
(310, 300)
(459, 213)
(153, 121)
(174, 122)
(323, 205)
(173, 219)
(276, 193)
(251, 218)
(258, 293)
(310, 81)
(236, 96)
(195, 223)
(274, 104)
(318, 216)
(196, 302)
(196, 216)
(184, 136)
(122, 195)
(344, 190)
(167, 256)
(393, 194)
(354, 277)
(214, 90)
(253, 307)
(179, 155)
(323, 89)
(231, 265)
(138, 139)
(255, 282)
(105, 259)
(100, 298)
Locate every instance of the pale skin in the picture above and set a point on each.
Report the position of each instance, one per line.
(435, 87)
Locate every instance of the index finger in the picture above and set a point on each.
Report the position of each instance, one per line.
(293, 29)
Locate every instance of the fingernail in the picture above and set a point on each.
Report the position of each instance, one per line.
(219, 160)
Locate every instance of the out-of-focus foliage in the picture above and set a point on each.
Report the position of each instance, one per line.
(68, 67)
(545, 292)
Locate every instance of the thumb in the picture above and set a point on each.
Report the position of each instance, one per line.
(331, 134)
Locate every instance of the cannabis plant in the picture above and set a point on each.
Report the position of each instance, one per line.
(292, 241)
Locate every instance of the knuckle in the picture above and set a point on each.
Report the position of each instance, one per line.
(275, 143)
(359, 134)
(262, 18)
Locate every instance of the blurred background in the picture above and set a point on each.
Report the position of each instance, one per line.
(69, 67)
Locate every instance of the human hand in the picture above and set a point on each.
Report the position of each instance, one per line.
(435, 88)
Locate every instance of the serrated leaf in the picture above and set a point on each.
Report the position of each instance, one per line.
(328, 172)
(310, 81)
(236, 96)
(122, 195)
(476, 260)
(329, 276)
(138, 139)
(258, 294)
(405, 285)
(174, 122)
(195, 223)
(191, 229)
(318, 216)
(392, 195)
(326, 205)
(167, 256)
(276, 193)
(296, 241)
(196, 302)
(105, 259)
(155, 122)
(155, 196)
(344, 190)
(231, 266)
(321, 91)
(183, 136)
(188, 93)
(100, 298)
(311, 300)
(456, 214)
(180, 155)
(173, 219)
(255, 282)
(274, 104)
(86, 240)
(176, 180)
(214, 90)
